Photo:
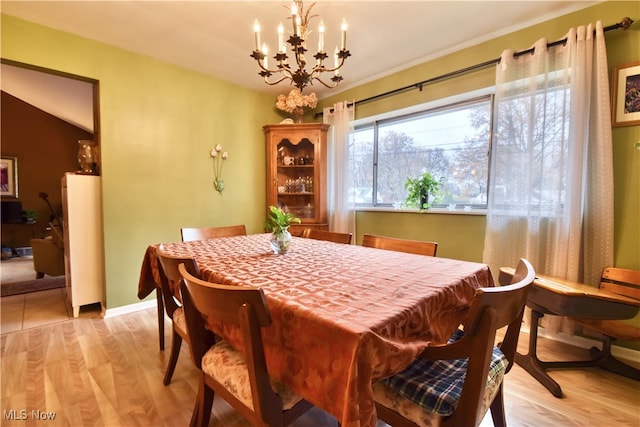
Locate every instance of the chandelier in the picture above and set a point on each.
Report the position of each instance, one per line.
(285, 69)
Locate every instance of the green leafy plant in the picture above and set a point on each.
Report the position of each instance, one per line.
(30, 216)
(419, 189)
(278, 220)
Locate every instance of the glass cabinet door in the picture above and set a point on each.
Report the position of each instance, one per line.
(296, 171)
(296, 178)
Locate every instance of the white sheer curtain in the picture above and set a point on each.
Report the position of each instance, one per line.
(551, 180)
(340, 206)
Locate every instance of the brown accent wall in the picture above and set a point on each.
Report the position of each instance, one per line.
(46, 147)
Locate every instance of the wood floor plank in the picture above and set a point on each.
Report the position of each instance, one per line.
(108, 372)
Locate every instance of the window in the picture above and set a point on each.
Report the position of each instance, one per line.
(450, 142)
(532, 153)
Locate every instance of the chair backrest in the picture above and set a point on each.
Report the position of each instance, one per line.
(331, 236)
(491, 309)
(202, 233)
(171, 275)
(400, 245)
(245, 307)
(621, 281)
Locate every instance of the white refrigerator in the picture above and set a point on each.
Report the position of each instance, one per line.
(83, 240)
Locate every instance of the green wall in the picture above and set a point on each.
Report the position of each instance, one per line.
(159, 121)
(460, 236)
(456, 233)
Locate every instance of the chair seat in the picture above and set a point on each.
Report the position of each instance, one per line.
(227, 366)
(179, 320)
(429, 390)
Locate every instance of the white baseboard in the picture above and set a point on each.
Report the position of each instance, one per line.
(131, 308)
(583, 342)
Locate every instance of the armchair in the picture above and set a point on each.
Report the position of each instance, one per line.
(48, 254)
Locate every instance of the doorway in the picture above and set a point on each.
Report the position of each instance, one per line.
(51, 100)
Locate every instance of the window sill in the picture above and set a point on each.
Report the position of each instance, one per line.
(439, 211)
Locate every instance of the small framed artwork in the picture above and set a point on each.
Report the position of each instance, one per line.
(626, 94)
(9, 177)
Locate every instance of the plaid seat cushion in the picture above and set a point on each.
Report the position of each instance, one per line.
(436, 386)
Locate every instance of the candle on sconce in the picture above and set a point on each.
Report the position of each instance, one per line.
(256, 30)
(321, 36)
(265, 51)
(280, 38)
(344, 34)
(336, 61)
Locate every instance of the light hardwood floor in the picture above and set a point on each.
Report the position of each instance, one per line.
(108, 372)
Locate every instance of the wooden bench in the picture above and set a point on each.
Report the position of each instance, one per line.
(561, 297)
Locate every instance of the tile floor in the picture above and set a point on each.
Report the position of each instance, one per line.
(18, 312)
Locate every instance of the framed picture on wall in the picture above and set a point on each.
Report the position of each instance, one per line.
(9, 177)
(626, 94)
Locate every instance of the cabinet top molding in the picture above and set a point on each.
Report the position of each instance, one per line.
(296, 126)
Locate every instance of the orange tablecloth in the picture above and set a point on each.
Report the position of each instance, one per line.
(343, 315)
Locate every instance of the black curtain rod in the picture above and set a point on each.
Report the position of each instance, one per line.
(624, 24)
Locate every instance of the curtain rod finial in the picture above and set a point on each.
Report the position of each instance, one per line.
(626, 23)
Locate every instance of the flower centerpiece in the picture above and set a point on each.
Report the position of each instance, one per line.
(278, 223)
(218, 157)
(295, 102)
(418, 191)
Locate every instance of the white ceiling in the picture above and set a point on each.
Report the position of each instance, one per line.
(68, 99)
(216, 37)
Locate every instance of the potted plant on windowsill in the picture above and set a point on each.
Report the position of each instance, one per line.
(419, 189)
(278, 223)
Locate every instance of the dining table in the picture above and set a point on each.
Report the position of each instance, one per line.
(343, 316)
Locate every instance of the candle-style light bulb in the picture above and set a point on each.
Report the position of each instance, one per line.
(256, 30)
(294, 21)
(265, 51)
(321, 36)
(336, 61)
(344, 34)
(280, 38)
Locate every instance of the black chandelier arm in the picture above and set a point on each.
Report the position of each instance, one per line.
(283, 78)
(342, 55)
(335, 79)
(300, 78)
(283, 67)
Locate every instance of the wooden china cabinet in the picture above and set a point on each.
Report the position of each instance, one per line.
(297, 172)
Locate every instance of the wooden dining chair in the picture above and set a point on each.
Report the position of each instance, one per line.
(620, 281)
(401, 245)
(454, 384)
(331, 236)
(241, 378)
(202, 233)
(173, 308)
